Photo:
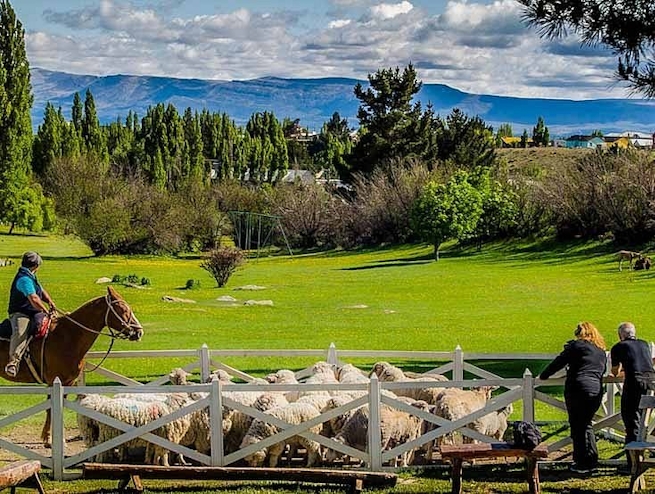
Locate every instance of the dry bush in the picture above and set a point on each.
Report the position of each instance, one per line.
(603, 192)
(307, 214)
(380, 209)
(222, 262)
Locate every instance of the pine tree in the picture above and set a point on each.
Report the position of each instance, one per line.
(77, 113)
(15, 120)
(94, 139)
(48, 143)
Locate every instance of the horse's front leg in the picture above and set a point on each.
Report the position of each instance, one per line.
(45, 433)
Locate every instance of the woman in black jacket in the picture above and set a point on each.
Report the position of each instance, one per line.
(583, 390)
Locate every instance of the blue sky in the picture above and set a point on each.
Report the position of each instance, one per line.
(476, 46)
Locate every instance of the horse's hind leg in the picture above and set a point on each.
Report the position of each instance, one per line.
(45, 433)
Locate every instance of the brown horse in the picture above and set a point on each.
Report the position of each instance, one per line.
(61, 354)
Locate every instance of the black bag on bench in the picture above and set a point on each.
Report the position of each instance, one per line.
(526, 435)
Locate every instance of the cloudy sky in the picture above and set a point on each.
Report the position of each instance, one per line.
(478, 46)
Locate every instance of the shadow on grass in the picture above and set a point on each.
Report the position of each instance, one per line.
(386, 264)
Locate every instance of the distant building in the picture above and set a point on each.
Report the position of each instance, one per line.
(588, 142)
(617, 142)
(514, 142)
(299, 176)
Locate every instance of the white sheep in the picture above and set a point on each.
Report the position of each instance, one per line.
(293, 413)
(138, 413)
(454, 404)
(396, 427)
(427, 394)
(349, 374)
(493, 425)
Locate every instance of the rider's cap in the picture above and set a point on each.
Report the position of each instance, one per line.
(31, 260)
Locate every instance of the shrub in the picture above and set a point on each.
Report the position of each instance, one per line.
(132, 278)
(192, 284)
(145, 281)
(222, 262)
(117, 278)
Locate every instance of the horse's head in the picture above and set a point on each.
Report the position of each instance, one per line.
(120, 319)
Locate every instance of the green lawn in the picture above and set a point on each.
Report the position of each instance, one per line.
(510, 298)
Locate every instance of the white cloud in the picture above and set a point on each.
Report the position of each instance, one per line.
(475, 47)
(391, 10)
(338, 23)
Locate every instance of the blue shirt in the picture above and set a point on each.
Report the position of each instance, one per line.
(24, 285)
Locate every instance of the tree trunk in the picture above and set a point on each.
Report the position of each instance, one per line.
(11, 228)
(436, 251)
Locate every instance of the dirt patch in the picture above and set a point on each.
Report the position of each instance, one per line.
(30, 438)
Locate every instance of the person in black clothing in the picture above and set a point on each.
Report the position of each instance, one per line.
(583, 390)
(632, 359)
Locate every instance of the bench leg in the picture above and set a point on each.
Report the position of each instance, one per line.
(357, 486)
(637, 481)
(37, 483)
(456, 475)
(138, 485)
(532, 469)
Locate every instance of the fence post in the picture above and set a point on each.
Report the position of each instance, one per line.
(81, 379)
(528, 396)
(332, 358)
(204, 362)
(611, 388)
(57, 428)
(374, 433)
(216, 421)
(458, 364)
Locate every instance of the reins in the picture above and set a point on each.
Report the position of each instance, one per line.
(113, 334)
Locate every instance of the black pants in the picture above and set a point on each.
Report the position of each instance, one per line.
(632, 393)
(581, 408)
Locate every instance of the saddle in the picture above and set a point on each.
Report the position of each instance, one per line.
(39, 327)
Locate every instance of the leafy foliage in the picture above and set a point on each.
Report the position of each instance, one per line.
(628, 28)
(444, 211)
(391, 126)
(222, 262)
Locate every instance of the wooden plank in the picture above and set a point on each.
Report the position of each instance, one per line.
(490, 450)
(639, 445)
(311, 475)
(17, 472)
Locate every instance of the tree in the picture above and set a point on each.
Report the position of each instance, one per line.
(94, 140)
(465, 141)
(524, 138)
(391, 127)
(444, 211)
(15, 121)
(504, 130)
(627, 28)
(540, 134)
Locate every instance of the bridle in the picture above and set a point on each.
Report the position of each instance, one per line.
(131, 324)
(113, 333)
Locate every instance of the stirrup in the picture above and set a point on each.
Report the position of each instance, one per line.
(11, 369)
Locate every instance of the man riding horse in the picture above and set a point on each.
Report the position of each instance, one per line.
(27, 299)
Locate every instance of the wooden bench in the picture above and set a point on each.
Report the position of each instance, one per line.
(637, 449)
(354, 481)
(23, 473)
(456, 454)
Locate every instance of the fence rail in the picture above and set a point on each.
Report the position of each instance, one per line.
(523, 389)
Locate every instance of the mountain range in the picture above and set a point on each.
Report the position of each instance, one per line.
(313, 101)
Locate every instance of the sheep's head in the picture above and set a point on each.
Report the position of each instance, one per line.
(179, 377)
(378, 367)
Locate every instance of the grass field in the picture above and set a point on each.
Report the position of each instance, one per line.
(518, 298)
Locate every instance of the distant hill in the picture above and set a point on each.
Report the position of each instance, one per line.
(314, 101)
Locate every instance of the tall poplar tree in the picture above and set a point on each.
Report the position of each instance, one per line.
(15, 122)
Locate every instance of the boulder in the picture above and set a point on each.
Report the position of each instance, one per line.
(168, 298)
(250, 288)
(226, 298)
(268, 303)
(104, 279)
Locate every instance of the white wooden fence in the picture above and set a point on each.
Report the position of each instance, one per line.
(523, 389)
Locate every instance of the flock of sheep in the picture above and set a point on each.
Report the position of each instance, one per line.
(240, 430)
